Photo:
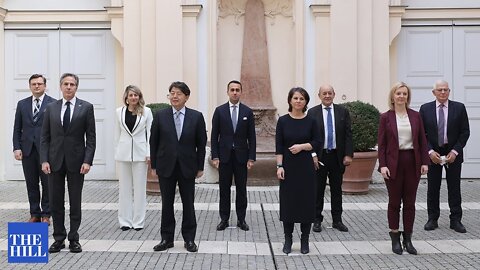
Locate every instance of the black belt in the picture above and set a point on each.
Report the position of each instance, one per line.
(331, 151)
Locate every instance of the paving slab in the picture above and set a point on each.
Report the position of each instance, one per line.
(365, 246)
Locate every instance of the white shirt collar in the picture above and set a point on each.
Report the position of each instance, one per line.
(39, 98)
(331, 106)
(230, 104)
(182, 110)
(438, 103)
(72, 101)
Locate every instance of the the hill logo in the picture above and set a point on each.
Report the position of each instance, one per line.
(27, 242)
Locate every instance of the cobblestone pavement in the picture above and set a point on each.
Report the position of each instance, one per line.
(365, 246)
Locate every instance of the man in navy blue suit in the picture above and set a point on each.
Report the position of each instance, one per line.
(233, 152)
(177, 155)
(26, 146)
(447, 128)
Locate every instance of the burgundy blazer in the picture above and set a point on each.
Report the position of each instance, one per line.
(388, 148)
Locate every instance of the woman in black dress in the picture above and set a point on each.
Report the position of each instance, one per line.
(296, 138)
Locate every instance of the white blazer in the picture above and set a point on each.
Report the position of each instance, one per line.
(133, 146)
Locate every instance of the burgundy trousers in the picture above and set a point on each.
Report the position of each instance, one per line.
(403, 189)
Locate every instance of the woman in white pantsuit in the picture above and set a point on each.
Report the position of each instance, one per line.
(132, 153)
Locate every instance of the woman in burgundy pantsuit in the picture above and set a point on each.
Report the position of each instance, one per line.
(403, 157)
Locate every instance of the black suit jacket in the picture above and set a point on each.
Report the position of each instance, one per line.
(26, 133)
(223, 137)
(343, 131)
(166, 149)
(77, 145)
(458, 129)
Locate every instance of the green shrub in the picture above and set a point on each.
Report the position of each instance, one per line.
(157, 106)
(365, 119)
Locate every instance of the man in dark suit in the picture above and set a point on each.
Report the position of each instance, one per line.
(26, 146)
(67, 149)
(337, 152)
(177, 154)
(447, 128)
(233, 152)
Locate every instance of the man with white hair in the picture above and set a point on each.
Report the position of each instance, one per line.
(447, 130)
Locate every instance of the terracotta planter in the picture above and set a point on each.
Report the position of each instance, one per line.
(358, 175)
(153, 186)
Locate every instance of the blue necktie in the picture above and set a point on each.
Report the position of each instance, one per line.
(329, 128)
(66, 117)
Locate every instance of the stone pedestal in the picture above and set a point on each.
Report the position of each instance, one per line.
(264, 172)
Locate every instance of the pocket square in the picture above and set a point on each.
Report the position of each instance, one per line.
(245, 118)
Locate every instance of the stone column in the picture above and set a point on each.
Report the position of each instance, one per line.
(322, 43)
(190, 55)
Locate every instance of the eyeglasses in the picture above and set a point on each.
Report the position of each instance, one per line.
(442, 90)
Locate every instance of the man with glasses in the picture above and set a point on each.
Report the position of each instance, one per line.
(26, 146)
(447, 128)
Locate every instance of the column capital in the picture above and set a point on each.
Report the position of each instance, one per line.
(191, 10)
(114, 12)
(3, 13)
(320, 10)
(397, 11)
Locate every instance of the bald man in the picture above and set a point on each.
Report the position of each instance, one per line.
(334, 125)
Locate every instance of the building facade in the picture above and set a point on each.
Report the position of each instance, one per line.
(360, 47)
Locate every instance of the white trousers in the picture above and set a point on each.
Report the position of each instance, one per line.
(132, 197)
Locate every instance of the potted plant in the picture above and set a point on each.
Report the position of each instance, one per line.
(365, 119)
(153, 186)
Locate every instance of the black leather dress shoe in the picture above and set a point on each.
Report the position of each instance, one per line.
(191, 246)
(125, 228)
(457, 226)
(222, 225)
(75, 247)
(340, 226)
(163, 245)
(56, 246)
(317, 226)
(243, 225)
(138, 229)
(431, 225)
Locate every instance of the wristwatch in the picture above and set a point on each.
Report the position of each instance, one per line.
(279, 166)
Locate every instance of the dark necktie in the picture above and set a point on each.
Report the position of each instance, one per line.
(441, 125)
(234, 117)
(329, 128)
(36, 110)
(66, 117)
